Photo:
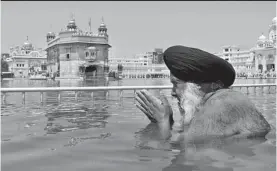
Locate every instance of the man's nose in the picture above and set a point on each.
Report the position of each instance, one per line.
(173, 92)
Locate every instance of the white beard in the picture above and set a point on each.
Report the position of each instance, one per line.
(190, 102)
(177, 115)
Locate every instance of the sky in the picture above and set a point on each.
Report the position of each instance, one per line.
(140, 26)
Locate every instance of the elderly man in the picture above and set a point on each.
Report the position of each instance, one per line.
(208, 106)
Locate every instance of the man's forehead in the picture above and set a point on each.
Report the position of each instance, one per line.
(174, 79)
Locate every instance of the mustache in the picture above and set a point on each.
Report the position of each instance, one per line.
(175, 97)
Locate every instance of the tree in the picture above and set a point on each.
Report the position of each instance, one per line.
(4, 66)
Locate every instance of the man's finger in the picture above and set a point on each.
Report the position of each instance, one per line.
(155, 101)
(142, 104)
(143, 110)
(140, 101)
(147, 114)
(144, 99)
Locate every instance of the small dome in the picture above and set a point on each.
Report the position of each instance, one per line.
(262, 38)
(274, 20)
(71, 23)
(50, 34)
(27, 44)
(102, 25)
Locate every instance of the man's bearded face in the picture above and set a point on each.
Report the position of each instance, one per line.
(191, 101)
(189, 97)
(178, 87)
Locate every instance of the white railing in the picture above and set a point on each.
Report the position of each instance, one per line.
(118, 88)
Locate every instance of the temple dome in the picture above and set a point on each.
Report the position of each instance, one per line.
(262, 38)
(50, 34)
(27, 45)
(102, 25)
(71, 23)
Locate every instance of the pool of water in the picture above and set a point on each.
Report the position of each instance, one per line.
(109, 133)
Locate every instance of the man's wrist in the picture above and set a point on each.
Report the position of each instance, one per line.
(164, 122)
(164, 127)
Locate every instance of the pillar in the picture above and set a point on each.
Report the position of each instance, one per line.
(256, 64)
(264, 63)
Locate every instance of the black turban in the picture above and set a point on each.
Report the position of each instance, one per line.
(195, 65)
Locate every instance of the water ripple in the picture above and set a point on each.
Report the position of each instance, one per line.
(114, 134)
(74, 141)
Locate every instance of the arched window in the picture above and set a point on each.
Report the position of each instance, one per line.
(87, 54)
(260, 67)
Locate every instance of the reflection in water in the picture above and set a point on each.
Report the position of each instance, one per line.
(77, 117)
(148, 137)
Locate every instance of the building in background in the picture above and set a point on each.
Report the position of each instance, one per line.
(259, 59)
(147, 61)
(25, 59)
(146, 58)
(158, 56)
(240, 59)
(73, 51)
(264, 54)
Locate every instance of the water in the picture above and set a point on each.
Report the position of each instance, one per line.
(112, 134)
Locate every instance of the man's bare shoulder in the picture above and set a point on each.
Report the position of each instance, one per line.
(228, 97)
(229, 106)
(228, 112)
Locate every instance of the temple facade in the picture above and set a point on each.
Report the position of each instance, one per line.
(73, 52)
(259, 59)
(264, 54)
(26, 59)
